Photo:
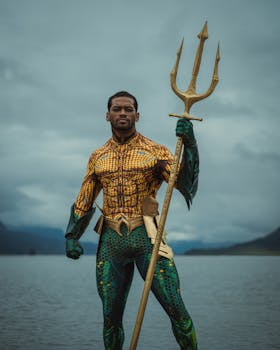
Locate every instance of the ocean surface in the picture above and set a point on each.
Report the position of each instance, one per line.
(51, 302)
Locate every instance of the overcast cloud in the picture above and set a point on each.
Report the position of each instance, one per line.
(59, 62)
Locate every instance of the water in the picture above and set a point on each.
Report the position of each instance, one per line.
(50, 302)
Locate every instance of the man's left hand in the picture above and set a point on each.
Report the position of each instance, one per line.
(184, 129)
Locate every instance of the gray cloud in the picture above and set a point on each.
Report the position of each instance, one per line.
(272, 158)
(60, 61)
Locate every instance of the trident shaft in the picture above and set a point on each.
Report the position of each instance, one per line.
(189, 97)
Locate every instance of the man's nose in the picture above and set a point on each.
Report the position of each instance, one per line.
(122, 111)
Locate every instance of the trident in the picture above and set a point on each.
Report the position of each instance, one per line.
(189, 97)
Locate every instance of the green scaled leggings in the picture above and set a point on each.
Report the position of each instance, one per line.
(114, 271)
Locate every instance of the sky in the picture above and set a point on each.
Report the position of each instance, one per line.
(61, 60)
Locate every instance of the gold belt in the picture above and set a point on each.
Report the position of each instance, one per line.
(131, 223)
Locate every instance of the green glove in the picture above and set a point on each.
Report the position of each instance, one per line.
(73, 248)
(184, 129)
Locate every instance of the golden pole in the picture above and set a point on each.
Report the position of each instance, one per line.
(151, 269)
(189, 98)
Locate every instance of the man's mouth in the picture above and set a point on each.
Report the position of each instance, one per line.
(121, 120)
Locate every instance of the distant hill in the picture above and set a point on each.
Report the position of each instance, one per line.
(41, 241)
(44, 240)
(267, 245)
(48, 240)
(183, 246)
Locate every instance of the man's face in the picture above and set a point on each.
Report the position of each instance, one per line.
(122, 114)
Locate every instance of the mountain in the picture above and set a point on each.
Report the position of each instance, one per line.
(39, 241)
(45, 240)
(267, 245)
(182, 246)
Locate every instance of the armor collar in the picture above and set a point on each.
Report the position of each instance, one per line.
(131, 141)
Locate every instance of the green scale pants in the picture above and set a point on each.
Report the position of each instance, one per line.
(114, 271)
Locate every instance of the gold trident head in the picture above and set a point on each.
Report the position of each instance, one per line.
(190, 96)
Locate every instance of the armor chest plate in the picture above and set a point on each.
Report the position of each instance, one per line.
(126, 176)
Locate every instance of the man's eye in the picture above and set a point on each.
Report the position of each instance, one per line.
(129, 109)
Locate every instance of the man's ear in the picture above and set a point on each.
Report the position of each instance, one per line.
(107, 116)
(137, 116)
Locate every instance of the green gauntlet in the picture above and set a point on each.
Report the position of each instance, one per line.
(184, 129)
(187, 179)
(75, 228)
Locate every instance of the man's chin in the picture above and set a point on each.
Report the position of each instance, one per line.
(123, 127)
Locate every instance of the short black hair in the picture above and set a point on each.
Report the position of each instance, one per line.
(122, 94)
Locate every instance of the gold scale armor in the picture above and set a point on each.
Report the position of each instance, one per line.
(130, 175)
(127, 173)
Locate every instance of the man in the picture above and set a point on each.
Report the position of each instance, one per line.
(129, 169)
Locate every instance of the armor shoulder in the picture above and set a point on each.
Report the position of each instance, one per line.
(161, 152)
(99, 152)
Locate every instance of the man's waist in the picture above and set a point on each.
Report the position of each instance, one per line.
(130, 222)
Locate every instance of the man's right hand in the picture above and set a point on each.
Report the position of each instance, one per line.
(73, 248)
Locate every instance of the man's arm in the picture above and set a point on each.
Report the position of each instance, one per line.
(187, 179)
(82, 211)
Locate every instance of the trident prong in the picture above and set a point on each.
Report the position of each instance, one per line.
(190, 96)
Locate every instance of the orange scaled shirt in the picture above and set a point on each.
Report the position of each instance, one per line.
(127, 173)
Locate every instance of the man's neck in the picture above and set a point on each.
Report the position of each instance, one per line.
(123, 137)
